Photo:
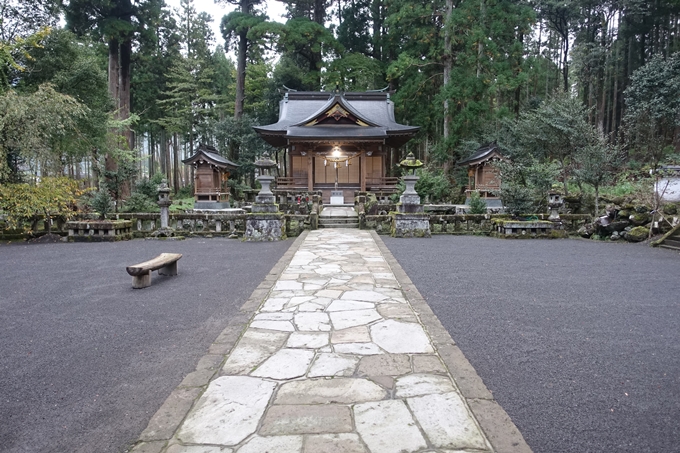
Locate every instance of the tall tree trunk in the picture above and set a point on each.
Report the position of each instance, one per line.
(110, 164)
(241, 65)
(124, 91)
(448, 65)
(175, 162)
(377, 19)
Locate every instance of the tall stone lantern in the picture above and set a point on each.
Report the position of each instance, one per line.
(164, 202)
(265, 222)
(410, 200)
(265, 196)
(410, 220)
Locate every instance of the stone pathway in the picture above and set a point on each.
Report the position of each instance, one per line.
(334, 360)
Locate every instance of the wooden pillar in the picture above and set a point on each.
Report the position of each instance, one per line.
(362, 166)
(310, 172)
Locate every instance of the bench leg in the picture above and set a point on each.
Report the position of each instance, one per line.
(141, 281)
(170, 269)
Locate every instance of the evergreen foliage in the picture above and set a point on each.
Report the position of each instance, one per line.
(477, 204)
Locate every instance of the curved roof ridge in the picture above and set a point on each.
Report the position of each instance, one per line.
(337, 98)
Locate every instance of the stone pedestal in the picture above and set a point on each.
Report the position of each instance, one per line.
(410, 221)
(410, 197)
(265, 196)
(99, 230)
(411, 225)
(265, 226)
(265, 223)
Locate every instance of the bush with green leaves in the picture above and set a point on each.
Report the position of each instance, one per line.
(525, 186)
(139, 202)
(477, 204)
(433, 185)
(102, 202)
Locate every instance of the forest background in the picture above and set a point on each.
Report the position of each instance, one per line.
(110, 93)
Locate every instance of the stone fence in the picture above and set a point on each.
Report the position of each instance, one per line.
(233, 225)
(481, 224)
(205, 224)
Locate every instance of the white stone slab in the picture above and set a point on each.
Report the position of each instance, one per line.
(387, 427)
(326, 391)
(422, 384)
(401, 337)
(274, 316)
(334, 443)
(357, 334)
(358, 348)
(366, 296)
(345, 319)
(283, 326)
(384, 275)
(446, 421)
(274, 304)
(313, 322)
(285, 364)
(297, 300)
(345, 305)
(310, 306)
(273, 444)
(287, 285)
(253, 349)
(332, 365)
(308, 340)
(228, 411)
(197, 449)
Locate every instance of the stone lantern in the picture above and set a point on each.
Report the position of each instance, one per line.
(410, 221)
(265, 222)
(555, 202)
(410, 200)
(265, 196)
(164, 202)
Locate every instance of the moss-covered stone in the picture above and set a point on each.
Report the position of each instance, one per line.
(637, 234)
(639, 218)
(670, 209)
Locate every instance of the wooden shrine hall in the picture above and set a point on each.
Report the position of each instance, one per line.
(337, 142)
(211, 172)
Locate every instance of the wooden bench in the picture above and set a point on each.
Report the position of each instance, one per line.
(165, 263)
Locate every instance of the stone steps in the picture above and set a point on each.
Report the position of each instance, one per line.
(338, 217)
(339, 222)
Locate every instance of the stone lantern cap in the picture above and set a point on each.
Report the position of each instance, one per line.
(163, 186)
(410, 163)
(264, 162)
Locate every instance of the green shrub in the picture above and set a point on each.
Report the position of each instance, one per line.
(139, 202)
(477, 204)
(102, 202)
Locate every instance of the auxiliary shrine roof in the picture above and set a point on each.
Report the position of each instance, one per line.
(323, 116)
(207, 153)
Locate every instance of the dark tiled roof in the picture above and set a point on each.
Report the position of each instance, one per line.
(481, 154)
(297, 109)
(209, 154)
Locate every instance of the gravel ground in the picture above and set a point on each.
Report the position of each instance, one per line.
(578, 340)
(85, 360)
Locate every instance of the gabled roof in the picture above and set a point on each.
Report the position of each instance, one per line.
(482, 154)
(209, 154)
(336, 116)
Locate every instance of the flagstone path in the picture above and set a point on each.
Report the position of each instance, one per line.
(334, 360)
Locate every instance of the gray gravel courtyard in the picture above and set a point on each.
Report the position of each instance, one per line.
(85, 360)
(579, 341)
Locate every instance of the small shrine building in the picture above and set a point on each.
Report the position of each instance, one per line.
(211, 173)
(337, 142)
(483, 176)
